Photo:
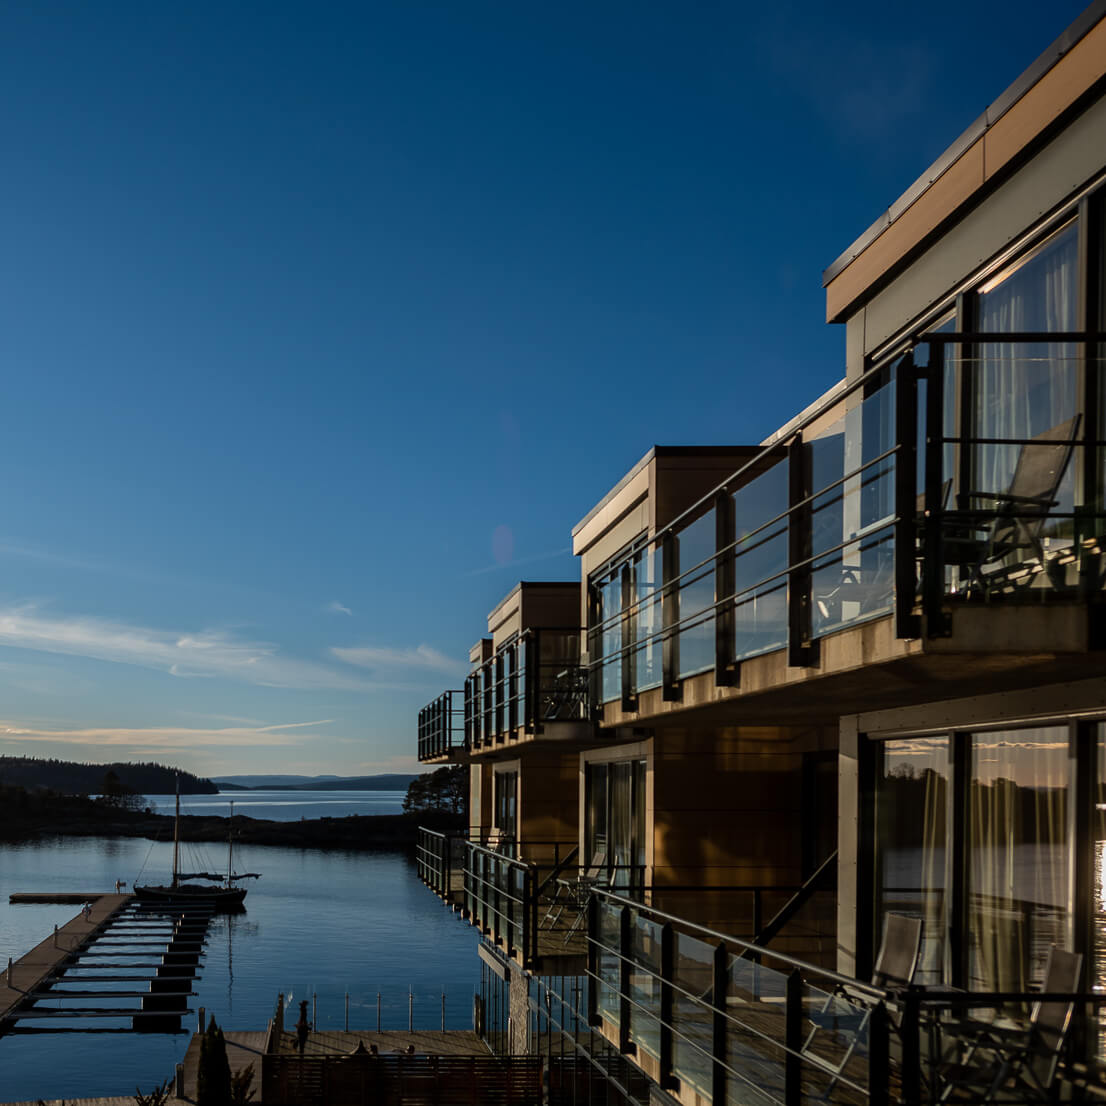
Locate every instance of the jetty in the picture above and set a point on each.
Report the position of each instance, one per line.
(81, 971)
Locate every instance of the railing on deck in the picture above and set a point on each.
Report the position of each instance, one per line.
(440, 861)
(876, 502)
(533, 681)
(442, 726)
(503, 894)
(703, 1011)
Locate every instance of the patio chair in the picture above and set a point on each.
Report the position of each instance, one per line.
(843, 1013)
(580, 890)
(1015, 524)
(1012, 1062)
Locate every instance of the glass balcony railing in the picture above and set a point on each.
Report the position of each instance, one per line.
(967, 468)
(726, 1021)
(441, 727)
(532, 681)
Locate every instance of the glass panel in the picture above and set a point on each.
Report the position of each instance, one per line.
(827, 524)
(755, 1009)
(695, 599)
(692, 1019)
(607, 961)
(856, 581)
(911, 820)
(647, 619)
(1024, 389)
(645, 988)
(1019, 856)
(610, 604)
(760, 565)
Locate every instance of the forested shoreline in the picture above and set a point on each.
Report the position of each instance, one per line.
(33, 815)
(74, 778)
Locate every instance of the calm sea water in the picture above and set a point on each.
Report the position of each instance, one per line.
(283, 806)
(317, 923)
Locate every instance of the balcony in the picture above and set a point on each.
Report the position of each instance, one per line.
(442, 730)
(440, 863)
(534, 686)
(712, 1018)
(961, 479)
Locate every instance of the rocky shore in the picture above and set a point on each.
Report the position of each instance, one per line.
(32, 816)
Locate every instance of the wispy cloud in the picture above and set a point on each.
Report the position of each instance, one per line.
(519, 561)
(422, 657)
(337, 608)
(167, 737)
(205, 653)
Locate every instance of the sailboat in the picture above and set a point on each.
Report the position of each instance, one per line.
(178, 891)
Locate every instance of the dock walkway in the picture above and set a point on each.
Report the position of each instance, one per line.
(247, 1047)
(29, 971)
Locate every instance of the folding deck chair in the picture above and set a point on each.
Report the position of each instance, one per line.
(1017, 1063)
(895, 967)
(1017, 520)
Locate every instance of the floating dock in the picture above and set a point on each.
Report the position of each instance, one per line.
(156, 948)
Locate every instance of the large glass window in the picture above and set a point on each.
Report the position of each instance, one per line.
(1023, 390)
(912, 787)
(506, 810)
(1019, 855)
(614, 833)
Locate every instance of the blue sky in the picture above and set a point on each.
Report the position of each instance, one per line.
(323, 324)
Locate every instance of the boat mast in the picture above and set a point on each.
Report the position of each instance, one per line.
(176, 837)
(230, 844)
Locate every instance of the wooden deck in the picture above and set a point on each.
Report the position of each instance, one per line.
(431, 1042)
(29, 971)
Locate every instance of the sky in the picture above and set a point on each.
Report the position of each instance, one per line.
(321, 325)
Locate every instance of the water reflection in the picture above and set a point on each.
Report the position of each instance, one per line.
(318, 924)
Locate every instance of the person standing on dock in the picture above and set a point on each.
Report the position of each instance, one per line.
(302, 1027)
(86, 912)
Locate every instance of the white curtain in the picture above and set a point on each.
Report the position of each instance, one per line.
(1024, 389)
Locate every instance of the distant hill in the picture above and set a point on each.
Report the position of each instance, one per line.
(389, 782)
(272, 781)
(72, 778)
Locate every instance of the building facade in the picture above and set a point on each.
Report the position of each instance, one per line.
(847, 675)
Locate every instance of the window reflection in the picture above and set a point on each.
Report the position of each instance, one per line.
(1019, 855)
(912, 789)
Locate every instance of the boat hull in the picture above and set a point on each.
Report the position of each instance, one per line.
(220, 896)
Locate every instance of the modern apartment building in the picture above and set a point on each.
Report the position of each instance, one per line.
(809, 687)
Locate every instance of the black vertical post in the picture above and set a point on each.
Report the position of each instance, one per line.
(593, 960)
(868, 755)
(626, 638)
(667, 1010)
(958, 845)
(1088, 497)
(879, 1066)
(670, 615)
(718, 998)
(906, 497)
(933, 561)
(625, 963)
(910, 1030)
(595, 652)
(725, 580)
(1082, 815)
(793, 1040)
(966, 378)
(534, 677)
(800, 651)
(525, 891)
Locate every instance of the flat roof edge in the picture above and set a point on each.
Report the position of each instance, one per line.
(1006, 100)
